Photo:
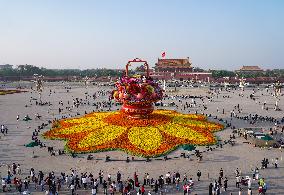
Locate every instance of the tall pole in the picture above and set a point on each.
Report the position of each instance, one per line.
(277, 94)
(39, 85)
(86, 81)
(242, 83)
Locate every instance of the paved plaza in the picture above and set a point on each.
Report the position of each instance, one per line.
(219, 104)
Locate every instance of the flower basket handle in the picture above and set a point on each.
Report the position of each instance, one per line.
(137, 60)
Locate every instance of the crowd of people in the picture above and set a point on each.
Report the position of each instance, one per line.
(170, 182)
(105, 183)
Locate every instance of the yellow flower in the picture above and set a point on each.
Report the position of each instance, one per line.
(147, 138)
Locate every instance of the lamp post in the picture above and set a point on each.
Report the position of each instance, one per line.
(86, 79)
(277, 94)
(39, 85)
(242, 83)
(277, 89)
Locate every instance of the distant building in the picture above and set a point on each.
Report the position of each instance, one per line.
(180, 69)
(6, 66)
(250, 69)
(173, 65)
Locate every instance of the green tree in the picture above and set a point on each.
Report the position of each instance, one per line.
(222, 73)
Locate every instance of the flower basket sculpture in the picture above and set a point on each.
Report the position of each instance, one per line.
(140, 133)
(137, 93)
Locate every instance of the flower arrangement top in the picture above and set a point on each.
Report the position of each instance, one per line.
(137, 89)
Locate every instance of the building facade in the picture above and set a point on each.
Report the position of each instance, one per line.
(250, 70)
(173, 65)
(180, 69)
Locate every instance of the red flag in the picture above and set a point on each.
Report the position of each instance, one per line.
(163, 54)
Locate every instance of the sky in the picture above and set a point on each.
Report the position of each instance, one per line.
(82, 34)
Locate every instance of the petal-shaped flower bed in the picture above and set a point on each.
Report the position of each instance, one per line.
(162, 132)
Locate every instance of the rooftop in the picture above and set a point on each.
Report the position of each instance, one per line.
(173, 62)
(251, 68)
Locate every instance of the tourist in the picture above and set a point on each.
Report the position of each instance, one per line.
(118, 176)
(105, 186)
(260, 190)
(210, 189)
(198, 175)
(142, 190)
(238, 181)
(240, 191)
(249, 191)
(221, 173)
(276, 163)
(218, 190)
(72, 188)
(4, 185)
(94, 191)
(18, 170)
(249, 182)
(111, 190)
(84, 181)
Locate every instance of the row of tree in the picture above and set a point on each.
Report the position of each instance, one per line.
(30, 70)
(279, 73)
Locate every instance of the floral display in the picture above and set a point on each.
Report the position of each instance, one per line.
(137, 93)
(137, 90)
(162, 132)
(5, 92)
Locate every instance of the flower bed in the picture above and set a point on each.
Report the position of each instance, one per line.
(6, 92)
(157, 135)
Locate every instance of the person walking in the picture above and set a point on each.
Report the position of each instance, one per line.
(238, 180)
(72, 188)
(249, 191)
(94, 190)
(4, 185)
(276, 163)
(240, 191)
(105, 187)
(198, 175)
(210, 189)
(221, 173)
(225, 184)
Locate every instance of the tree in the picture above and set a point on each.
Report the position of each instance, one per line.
(222, 73)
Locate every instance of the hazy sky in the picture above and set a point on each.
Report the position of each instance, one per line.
(216, 34)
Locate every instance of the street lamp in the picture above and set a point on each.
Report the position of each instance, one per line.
(39, 84)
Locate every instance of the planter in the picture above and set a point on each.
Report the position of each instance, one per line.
(137, 111)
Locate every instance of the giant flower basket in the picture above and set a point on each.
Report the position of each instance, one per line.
(137, 128)
(137, 93)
